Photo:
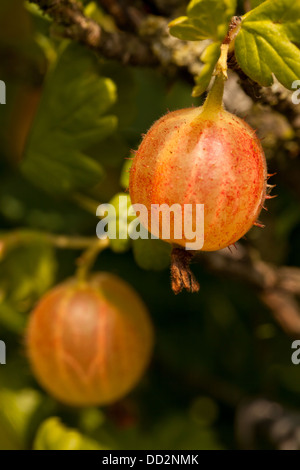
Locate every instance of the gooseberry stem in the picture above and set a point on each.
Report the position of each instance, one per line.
(214, 100)
(88, 258)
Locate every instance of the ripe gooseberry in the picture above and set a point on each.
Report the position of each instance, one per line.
(207, 156)
(89, 342)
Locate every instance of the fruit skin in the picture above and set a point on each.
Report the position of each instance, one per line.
(90, 342)
(202, 156)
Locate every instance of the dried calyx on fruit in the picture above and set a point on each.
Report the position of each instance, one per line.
(206, 156)
(90, 341)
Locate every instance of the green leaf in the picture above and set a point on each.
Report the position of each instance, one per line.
(256, 3)
(210, 58)
(152, 254)
(264, 44)
(62, 172)
(53, 435)
(16, 411)
(183, 28)
(26, 273)
(71, 117)
(11, 318)
(206, 19)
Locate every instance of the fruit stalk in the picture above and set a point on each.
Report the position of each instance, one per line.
(88, 258)
(214, 100)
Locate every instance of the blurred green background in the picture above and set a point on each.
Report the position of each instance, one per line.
(69, 124)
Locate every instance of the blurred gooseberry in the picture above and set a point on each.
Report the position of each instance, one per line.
(89, 342)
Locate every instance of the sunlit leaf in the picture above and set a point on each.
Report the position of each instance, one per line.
(53, 435)
(265, 43)
(210, 58)
(206, 19)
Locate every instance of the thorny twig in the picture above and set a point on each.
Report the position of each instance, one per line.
(118, 45)
(150, 45)
(126, 15)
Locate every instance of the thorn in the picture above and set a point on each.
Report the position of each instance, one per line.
(259, 224)
(143, 135)
(126, 189)
(271, 174)
(271, 197)
(265, 208)
(128, 158)
(230, 247)
(271, 186)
